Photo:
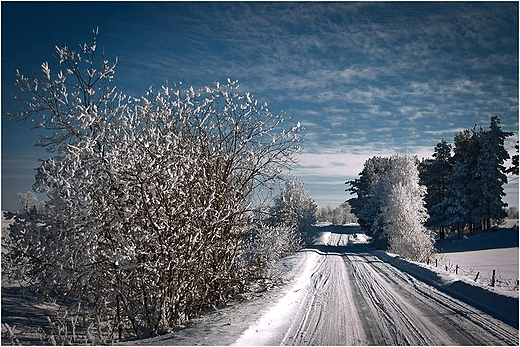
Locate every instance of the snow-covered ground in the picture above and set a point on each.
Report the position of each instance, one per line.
(341, 292)
(481, 254)
(503, 260)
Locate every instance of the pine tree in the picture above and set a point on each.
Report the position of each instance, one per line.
(456, 207)
(490, 174)
(434, 175)
(475, 187)
(366, 205)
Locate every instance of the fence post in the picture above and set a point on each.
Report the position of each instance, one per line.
(456, 270)
(435, 262)
(493, 279)
(476, 277)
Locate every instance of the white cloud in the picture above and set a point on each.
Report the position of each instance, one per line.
(325, 173)
(444, 132)
(349, 163)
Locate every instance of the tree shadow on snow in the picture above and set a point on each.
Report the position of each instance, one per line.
(502, 238)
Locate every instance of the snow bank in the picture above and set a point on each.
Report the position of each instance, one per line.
(277, 320)
(360, 239)
(494, 303)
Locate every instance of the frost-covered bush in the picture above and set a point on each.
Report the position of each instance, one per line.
(268, 243)
(148, 198)
(295, 208)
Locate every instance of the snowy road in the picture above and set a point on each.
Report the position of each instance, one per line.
(397, 309)
(342, 292)
(348, 296)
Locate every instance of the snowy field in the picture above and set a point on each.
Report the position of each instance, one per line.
(481, 254)
(503, 260)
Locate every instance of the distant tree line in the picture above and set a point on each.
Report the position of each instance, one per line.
(339, 215)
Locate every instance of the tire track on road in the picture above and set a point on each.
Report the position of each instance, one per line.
(398, 309)
(327, 314)
(347, 295)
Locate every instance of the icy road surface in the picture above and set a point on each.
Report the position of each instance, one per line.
(343, 293)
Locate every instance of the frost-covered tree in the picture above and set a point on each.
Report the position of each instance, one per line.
(27, 200)
(512, 212)
(403, 211)
(513, 169)
(343, 214)
(149, 198)
(325, 214)
(339, 216)
(295, 207)
(366, 204)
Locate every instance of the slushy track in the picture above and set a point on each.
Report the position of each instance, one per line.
(354, 298)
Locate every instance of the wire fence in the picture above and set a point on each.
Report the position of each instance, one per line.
(491, 277)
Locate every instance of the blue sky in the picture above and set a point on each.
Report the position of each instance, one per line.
(364, 79)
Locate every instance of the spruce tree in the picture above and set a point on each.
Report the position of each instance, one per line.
(366, 205)
(434, 175)
(454, 210)
(490, 174)
(475, 187)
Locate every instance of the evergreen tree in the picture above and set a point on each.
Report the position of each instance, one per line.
(490, 174)
(366, 205)
(475, 187)
(434, 175)
(459, 202)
